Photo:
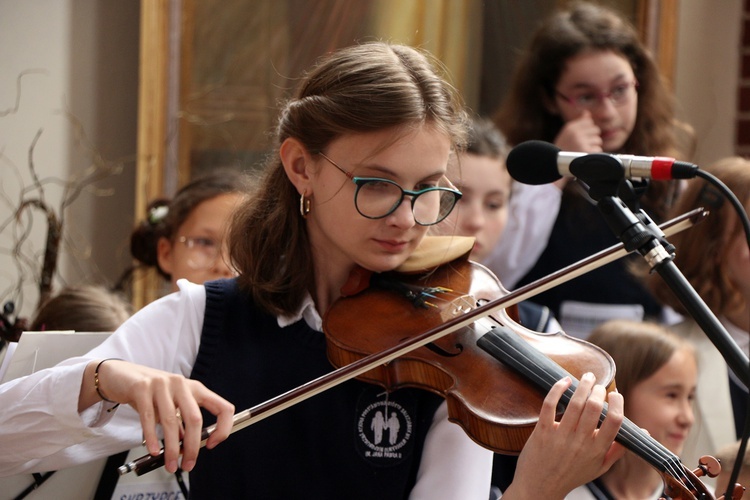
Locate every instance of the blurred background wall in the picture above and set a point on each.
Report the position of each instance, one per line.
(69, 75)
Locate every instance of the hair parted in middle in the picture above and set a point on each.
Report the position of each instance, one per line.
(485, 139)
(358, 89)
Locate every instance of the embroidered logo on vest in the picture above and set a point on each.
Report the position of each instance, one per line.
(385, 429)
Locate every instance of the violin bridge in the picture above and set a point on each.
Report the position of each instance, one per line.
(458, 306)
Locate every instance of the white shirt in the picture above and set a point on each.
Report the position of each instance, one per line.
(41, 428)
(532, 214)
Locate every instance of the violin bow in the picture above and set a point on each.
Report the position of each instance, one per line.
(340, 375)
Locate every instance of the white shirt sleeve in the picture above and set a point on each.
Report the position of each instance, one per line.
(40, 426)
(453, 466)
(41, 429)
(533, 210)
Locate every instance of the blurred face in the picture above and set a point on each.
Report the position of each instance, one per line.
(603, 84)
(663, 403)
(737, 260)
(198, 251)
(342, 237)
(483, 210)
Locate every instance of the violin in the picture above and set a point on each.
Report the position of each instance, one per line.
(483, 370)
(494, 403)
(432, 340)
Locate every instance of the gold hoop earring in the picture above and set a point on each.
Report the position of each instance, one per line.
(304, 206)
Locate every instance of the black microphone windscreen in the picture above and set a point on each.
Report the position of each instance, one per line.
(534, 162)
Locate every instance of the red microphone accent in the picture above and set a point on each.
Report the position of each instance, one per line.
(661, 168)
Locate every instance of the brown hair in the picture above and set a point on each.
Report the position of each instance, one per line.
(586, 27)
(727, 455)
(85, 308)
(701, 251)
(362, 88)
(638, 348)
(485, 139)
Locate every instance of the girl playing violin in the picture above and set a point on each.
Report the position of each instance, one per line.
(358, 178)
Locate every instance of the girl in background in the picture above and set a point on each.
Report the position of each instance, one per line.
(586, 83)
(482, 212)
(481, 176)
(714, 257)
(185, 237)
(656, 374)
(82, 308)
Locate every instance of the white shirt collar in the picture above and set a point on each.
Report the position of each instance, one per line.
(307, 312)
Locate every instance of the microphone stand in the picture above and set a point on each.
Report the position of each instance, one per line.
(605, 176)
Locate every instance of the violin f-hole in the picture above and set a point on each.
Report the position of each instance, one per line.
(442, 352)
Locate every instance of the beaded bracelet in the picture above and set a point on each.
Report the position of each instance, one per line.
(96, 384)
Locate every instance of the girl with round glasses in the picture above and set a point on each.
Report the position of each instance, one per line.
(586, 83)
(185, 237)
(383, 114)
(376, 198)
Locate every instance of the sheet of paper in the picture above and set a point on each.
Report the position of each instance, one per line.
(38, 350)
(10, 348)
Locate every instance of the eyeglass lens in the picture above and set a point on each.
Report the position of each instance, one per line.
(378, 198)
(203, 252)
(618, 96)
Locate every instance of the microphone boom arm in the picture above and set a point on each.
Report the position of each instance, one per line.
(639, 233)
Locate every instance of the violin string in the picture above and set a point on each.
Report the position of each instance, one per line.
(551, 377)
(646, 444)
(547, 373)
(642, 444)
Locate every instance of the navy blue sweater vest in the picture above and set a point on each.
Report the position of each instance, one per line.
(352, 441)
(579, 232)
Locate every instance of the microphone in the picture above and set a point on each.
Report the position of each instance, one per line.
(539, 162)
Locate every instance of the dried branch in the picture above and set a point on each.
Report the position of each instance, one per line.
(14, 109)
(34, 197)
(51, 246)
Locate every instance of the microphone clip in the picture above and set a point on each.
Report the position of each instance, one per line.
(604, 175)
